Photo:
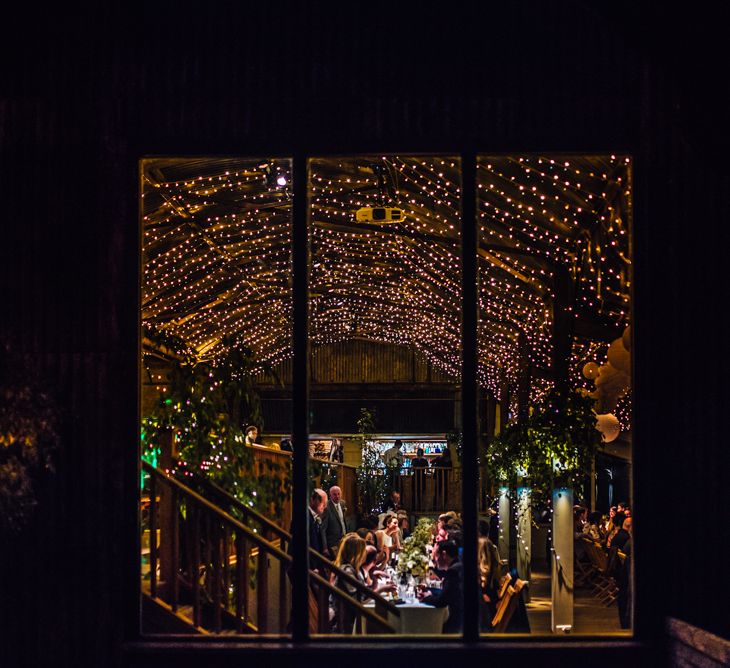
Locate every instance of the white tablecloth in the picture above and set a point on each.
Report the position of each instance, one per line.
(417, 618)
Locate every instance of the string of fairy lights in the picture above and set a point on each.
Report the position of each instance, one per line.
(217, 256)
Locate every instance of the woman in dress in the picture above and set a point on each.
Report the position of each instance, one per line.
(389, 536)
(489, 576)
(350, 558)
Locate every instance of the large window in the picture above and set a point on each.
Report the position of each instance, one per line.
(450, 397)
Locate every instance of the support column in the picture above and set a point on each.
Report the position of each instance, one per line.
(504, 523)
(562, 562)
(524, 536)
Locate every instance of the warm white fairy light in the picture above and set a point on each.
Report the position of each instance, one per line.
(217, 256)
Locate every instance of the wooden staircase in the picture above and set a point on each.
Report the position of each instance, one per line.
(218, 567)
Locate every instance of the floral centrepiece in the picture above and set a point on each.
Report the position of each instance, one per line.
(413, 558)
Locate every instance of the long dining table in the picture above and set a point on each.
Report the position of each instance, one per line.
(417, 618)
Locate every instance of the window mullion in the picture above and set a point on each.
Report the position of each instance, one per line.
(469, 468)
(300, 398)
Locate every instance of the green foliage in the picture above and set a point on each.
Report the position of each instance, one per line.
(321, 474)
(374, 479)
(553, 447)
(29, 436)
(207, 407)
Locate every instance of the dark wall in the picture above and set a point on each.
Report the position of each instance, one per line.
(84, 95)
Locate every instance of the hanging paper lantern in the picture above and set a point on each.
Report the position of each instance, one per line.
(590, 370)
(609, 426)
(618, 356)
(626, 338)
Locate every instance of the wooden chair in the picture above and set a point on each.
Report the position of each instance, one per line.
(507, 605)
(604, 584)
(584, 571)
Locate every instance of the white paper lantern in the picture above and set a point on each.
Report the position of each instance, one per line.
(609, 426)
(618, 356)
(590, 370)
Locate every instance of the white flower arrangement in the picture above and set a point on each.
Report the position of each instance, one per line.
(413, 558)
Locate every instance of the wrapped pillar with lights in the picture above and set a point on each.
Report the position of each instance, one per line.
(524, 534)
(504, 522)
(562, 562)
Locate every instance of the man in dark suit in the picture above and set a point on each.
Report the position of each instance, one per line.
(447, 562)
(334, 521)
(317, 502)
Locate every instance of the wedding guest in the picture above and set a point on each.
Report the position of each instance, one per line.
(350, 558)
(593, 527)
(285, 445)
(616, 525)
(404, 526)
(251, 435)
(419, 465)
(393, 502)
(447, 560)
(622, 535)
(370, 572)
(334, 520)
(388, 537)
(489, 572)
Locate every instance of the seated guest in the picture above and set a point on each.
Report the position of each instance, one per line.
(616, 525)
(608, 524)
(447, 561)
(622, 535)
(393, 502)
(368, 535)
(441, 532)
(285, 445)
(489, 572)
(579, 520)
(388, 537)
(593, 527)
(404, 525)
(350, 558)
(370, 573)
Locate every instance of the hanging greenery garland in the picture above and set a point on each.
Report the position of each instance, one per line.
(554, 446)
(207, 407)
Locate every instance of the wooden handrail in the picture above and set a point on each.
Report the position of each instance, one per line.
(285, 535)
(351, 601)
(362, 588)
(250, 535)
(249, 512)
(266, 546)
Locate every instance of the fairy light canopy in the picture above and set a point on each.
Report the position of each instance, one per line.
(217, 257)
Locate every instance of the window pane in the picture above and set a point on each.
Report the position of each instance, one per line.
(385, 319)
(555, 392)
(216, 395)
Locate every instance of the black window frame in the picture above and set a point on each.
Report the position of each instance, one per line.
(612, 648)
